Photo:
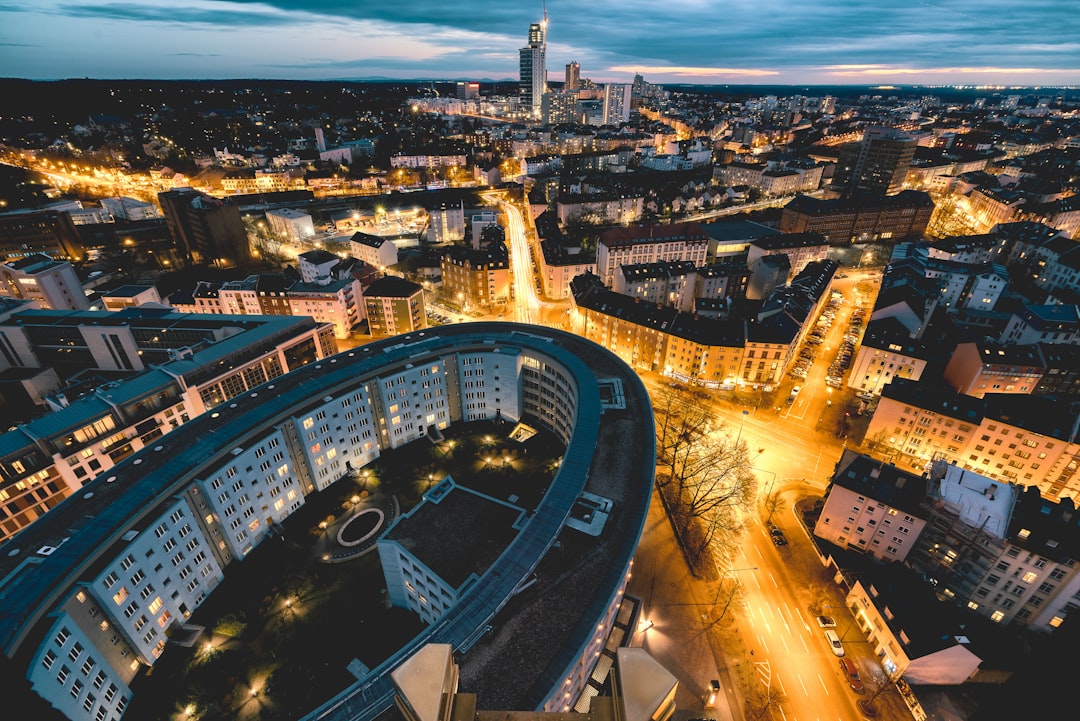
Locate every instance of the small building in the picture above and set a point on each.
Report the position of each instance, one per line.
(394, 305)
(872, 507)
(374, 249)
(982, 367)
(290, 224)
(129, 296)
(479, 278)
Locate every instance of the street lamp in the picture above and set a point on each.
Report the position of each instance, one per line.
(742, 420)
(768, 492)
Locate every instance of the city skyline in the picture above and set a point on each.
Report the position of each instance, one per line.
(965, 42)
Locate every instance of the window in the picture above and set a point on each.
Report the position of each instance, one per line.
(48, 660)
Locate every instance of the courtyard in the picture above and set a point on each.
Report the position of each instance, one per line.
(307, 609)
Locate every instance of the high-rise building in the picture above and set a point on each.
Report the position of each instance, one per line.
(877, 164)
(533, 82)
(616, 103)
(468, 91)
(561, 107)
(205, 229)
(573, 75)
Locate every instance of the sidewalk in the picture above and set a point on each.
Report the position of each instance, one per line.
(683, 636)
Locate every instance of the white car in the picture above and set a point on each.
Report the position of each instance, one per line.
(834, 642)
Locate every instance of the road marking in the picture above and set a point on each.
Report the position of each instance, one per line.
(805, 647)
(774, 583)
(823, 684)
(799, 676)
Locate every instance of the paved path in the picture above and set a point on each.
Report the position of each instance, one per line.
(680, 609)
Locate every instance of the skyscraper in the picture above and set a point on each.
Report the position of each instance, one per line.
(877, 164)
(573, 76)
(533, 83)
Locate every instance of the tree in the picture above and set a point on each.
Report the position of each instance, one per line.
(705, 478)
(876, 685)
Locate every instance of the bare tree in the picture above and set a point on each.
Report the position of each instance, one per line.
(705, 477)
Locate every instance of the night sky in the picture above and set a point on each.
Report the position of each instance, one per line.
(979, 42)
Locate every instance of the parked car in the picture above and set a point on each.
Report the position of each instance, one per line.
(826, 621)
(851, 673)
(834, 642)
(778, 537)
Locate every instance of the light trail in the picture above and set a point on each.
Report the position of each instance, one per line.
(527, 304)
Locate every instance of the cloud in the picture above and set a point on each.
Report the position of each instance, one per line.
(203, 13)
(882, 70)
(698, 72)
(701, 39)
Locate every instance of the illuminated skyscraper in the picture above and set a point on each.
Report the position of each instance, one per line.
(533, 83)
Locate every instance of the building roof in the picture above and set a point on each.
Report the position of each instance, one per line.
(391, 286)
(889, 334)
(634, 235)
(34, 263)
(881, 481)
(808, 205)
(787, 241)
(1045, 527)
(374, 241)
(481, 527)
(935, 397)
(993, 353)
(731, 231)
(127, 291)
(589, 293)
(288, 213)
(319, 256)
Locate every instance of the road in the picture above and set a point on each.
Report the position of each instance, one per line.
(791, 659)
(780, 443)
(527, 305)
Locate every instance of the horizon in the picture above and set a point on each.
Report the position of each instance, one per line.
(979, 43)
(508, 80)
